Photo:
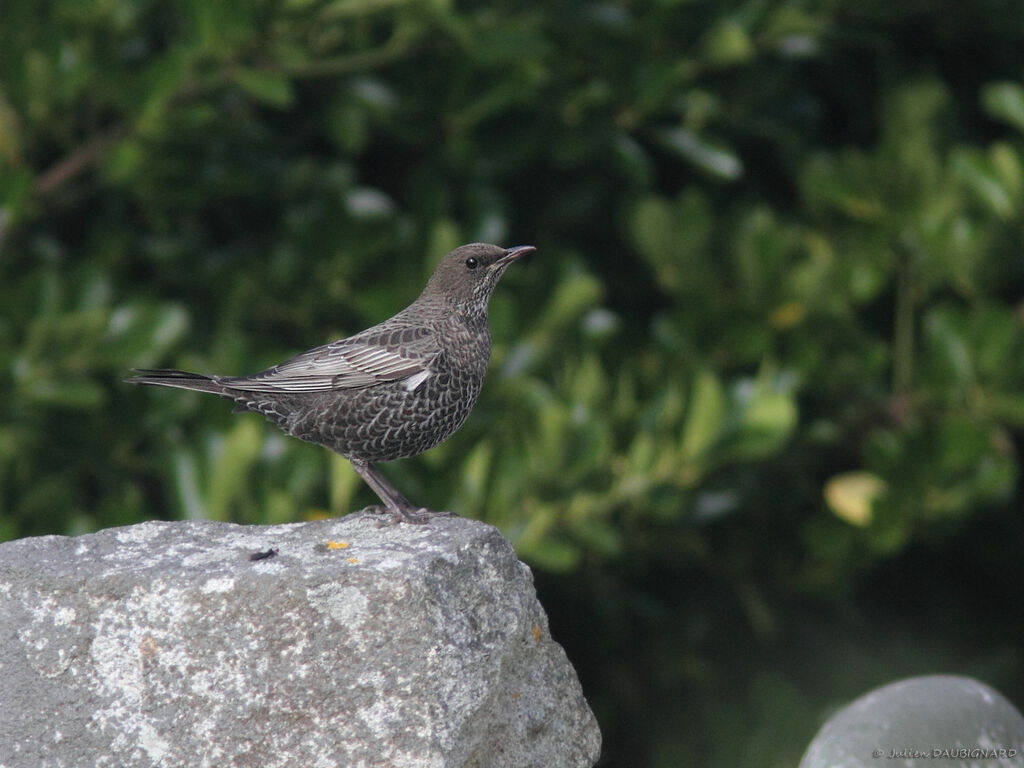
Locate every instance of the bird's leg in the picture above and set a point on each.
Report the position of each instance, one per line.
(402, 510)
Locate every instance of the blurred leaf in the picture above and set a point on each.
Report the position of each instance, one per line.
(945, 329)
(726, 44)
(344, 483)
(1009, 168)
(794, 31)
(1005, 101)
(715, 159)
(764, 419)
(233, 459)
(842, 183)
(596, 535)
(270, 88)
(125, 160)
(186, 477)
(75, 393)
(554, 555)
(653, 229)
(476, 470)
(985, 183)
(704, 418)
(573, 296)
(10, 133)
(163, 77)
(140, 334)
(15, 189)
(850, 496)
(673, 238)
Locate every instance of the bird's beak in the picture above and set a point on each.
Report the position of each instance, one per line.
(513, 254)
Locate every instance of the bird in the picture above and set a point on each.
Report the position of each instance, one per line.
(390, 392)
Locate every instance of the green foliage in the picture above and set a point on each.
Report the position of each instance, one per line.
(767, 362)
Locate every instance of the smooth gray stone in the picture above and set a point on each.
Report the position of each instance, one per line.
(938, 721)
(163, 644)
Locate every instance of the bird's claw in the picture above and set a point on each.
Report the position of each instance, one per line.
(420, 516)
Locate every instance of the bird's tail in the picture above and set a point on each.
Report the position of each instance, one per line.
(179, 379)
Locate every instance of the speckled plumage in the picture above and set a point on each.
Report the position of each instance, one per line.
(391, 391)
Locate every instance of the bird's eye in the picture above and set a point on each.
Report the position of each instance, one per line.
(471, 262)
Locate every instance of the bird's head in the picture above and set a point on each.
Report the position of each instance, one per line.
(467, 276)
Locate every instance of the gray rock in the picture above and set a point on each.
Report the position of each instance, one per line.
(937, 721)
(163, 644)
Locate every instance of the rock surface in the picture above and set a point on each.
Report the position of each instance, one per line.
(164, 644)
(936, 721)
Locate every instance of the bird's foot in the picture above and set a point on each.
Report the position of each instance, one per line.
(419, 516)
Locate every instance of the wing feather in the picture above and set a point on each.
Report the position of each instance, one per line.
(368, 358)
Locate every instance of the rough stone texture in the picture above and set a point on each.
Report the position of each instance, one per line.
(163, 644)
(937, 721)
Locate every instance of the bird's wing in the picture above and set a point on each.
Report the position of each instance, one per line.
(368, 358)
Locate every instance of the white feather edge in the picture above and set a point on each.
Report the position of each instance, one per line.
(413, 383)
(355, 367)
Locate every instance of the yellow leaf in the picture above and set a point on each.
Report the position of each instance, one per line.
(851, 494)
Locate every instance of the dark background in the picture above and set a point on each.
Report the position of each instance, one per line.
(756, 405)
